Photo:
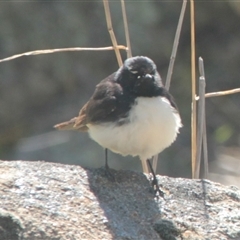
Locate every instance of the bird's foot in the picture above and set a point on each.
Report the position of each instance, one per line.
(109, 174)
(154, 183)
(158, 192)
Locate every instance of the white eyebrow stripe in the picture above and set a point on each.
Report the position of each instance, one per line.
(134, 72)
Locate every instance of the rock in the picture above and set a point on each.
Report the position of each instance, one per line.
(47, 201)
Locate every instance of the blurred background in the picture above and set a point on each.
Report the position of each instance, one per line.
(36, 92)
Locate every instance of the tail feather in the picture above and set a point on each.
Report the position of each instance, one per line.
(68, 125)
(71, 125)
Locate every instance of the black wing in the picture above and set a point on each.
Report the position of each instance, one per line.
(109, 102)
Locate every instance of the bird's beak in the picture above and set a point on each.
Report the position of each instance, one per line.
(148, 76)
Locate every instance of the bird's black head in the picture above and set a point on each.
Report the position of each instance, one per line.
(139, 76)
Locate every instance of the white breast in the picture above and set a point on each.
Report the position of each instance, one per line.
(153, 125)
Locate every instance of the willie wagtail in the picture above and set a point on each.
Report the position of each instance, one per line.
(130, 112)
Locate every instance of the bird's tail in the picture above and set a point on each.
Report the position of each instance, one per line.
(69, 125)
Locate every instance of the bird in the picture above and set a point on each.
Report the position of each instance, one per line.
(130, 112)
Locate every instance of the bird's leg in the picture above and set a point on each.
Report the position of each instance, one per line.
(154, 181)
(145, 166)
(107, 169)
(106, 159)
(154, 163)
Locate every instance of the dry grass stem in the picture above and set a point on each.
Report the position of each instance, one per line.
(201, 67)
(111, 32)
(200, 125)
(129, 51)
(205, 149)
(47, 51)
(201, 114)
(172, 60)
(193, 76)
(221, 93)
(175, 45)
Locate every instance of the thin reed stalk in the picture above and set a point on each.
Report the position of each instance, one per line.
(111, 32)
(201, 114)
(193, 76)
(126, 30)
(47, 51)
(172, 60)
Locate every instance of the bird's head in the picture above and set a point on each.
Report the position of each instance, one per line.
(139, 76)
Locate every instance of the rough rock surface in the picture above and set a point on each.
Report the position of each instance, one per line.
(47, 201)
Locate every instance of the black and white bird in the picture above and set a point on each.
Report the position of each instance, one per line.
(130, 112)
